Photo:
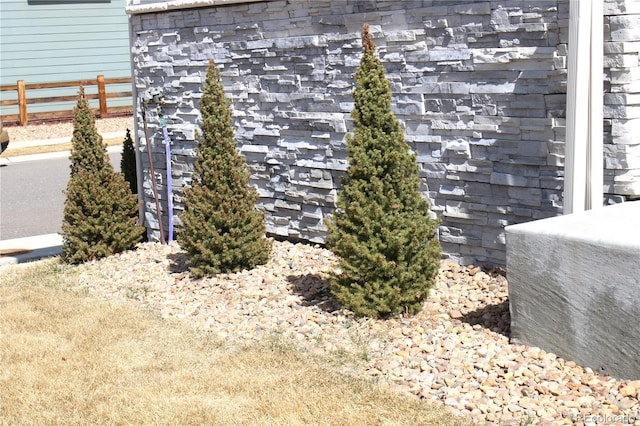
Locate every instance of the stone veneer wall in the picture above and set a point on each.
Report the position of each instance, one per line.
(622, 97)
(480, 88)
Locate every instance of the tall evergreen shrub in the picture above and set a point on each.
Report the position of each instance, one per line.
(382, 231)
(222, 231)
(100, 212)
(128, 163)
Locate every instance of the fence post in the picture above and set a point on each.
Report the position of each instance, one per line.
(22, 103)
(102, 96)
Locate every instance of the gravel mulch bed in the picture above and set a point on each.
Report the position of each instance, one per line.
(455, 351)
(64, 129)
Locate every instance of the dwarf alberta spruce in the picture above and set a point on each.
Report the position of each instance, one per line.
(382, 230)
(222, 231)
(100, 212)
(128, 162)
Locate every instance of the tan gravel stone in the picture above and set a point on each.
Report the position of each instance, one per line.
(630, 389)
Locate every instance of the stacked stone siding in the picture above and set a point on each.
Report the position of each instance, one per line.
(480, 88)
(622, 98)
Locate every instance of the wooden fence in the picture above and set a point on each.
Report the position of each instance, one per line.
(23, 100)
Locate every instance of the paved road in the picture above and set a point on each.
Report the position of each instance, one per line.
(31, 195)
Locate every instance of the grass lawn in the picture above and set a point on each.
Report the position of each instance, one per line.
(67, 358)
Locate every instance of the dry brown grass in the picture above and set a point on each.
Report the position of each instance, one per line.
(66, 358)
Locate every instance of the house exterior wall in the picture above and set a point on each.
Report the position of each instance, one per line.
(622, 97)
(49, 41)
(480, 88)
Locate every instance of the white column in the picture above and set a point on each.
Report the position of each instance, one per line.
(583, 147)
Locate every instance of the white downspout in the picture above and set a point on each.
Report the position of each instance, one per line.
(583, 148)
(595, 172)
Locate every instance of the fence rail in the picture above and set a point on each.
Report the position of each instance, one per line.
(23, 100)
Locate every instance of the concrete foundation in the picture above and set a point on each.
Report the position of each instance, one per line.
(574, 287)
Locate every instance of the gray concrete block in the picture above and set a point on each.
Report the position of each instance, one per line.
(574, 287)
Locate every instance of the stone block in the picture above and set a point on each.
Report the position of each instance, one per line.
(625, 27)
(452, 190)
(477, 8)
(625, 75)
(483, 87)
(574, 287)
(625, 131)
(509, 179)
(622, 156)
(627, 182)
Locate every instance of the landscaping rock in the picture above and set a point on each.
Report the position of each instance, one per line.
(456, 351)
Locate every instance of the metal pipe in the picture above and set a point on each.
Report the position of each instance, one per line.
(153, 174)
(167, 142)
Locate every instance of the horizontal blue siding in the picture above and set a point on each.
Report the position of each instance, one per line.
(97, 28)
(39, 41)
(46, 22)
(43, 43)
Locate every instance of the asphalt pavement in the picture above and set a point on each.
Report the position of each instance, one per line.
(31, 248)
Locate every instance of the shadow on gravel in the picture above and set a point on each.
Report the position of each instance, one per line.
(314, 290)
(493, 317)
(177, 263)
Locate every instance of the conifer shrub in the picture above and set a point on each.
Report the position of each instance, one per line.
(128, 163)
(221, 229)
(100, 212)
(382, 230)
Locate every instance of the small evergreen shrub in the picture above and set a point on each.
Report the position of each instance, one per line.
(100, 212)
(381, 231)
(128, 163)
(221, 229)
